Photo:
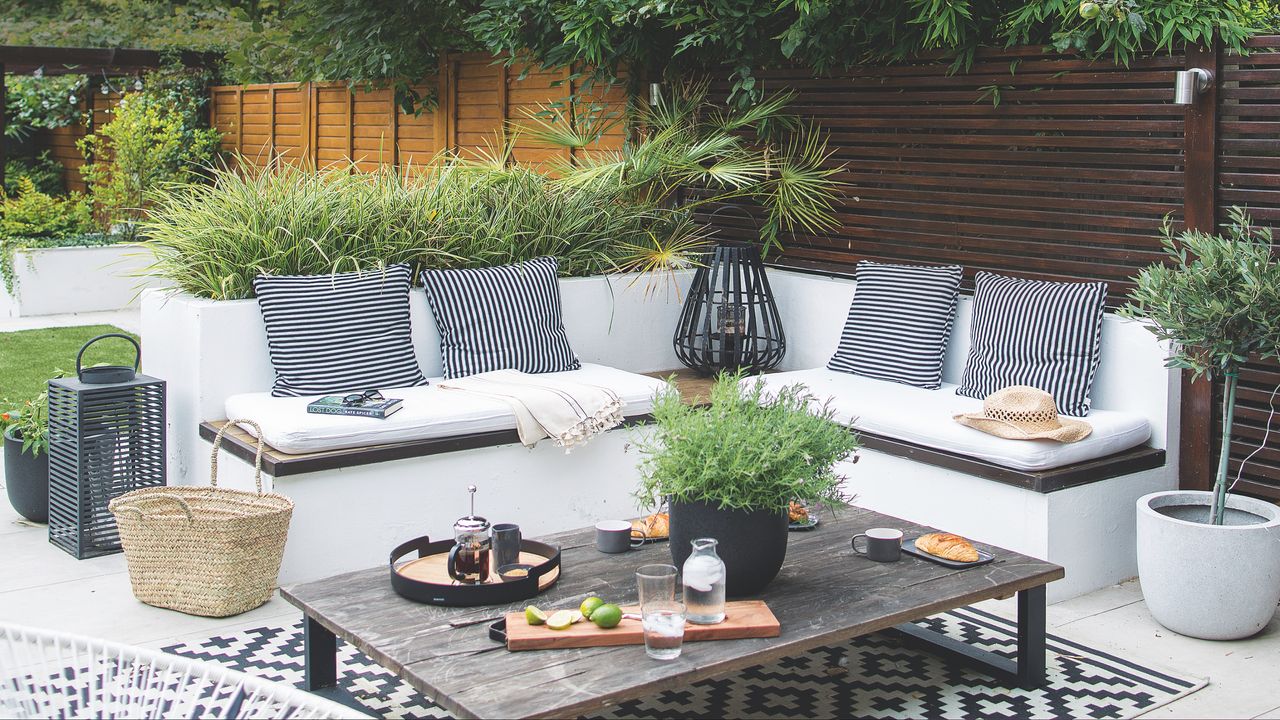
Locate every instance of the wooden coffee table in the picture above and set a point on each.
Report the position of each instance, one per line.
(825, 594)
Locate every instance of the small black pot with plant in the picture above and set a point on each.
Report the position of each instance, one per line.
(26, 458)
(730, 469)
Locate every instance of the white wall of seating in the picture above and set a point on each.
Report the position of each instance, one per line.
(349, 518)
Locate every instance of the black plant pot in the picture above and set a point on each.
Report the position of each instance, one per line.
(26, 478)
(751, 544)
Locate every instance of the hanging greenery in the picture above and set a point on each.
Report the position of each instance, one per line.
(673, 38)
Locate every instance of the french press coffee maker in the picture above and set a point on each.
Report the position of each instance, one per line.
(469, 557)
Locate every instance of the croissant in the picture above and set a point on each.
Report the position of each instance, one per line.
(657, 525)
(948, 546)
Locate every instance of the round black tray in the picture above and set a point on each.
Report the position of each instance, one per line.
(460, 595)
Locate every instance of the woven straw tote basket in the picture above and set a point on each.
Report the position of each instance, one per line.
(204, 550)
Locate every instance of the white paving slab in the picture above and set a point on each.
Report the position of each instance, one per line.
(42, 586)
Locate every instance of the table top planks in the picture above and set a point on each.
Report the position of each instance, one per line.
(825, 593)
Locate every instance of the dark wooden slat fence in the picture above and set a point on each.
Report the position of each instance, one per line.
(1038, 164)
(1248, 174)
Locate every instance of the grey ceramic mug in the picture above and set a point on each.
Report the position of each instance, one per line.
(614, 536)
(883, 544)
(506, 544)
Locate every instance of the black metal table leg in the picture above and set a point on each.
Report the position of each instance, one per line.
(1032, 617)
(1026, 671)
(320, 655)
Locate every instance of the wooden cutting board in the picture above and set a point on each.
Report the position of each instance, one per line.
(743, 619)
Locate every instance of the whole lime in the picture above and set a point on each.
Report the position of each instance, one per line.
(589, 606)
(607, 616)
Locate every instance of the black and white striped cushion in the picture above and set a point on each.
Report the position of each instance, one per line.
(500, 318)
(899, 323)
(339, 333)
(1038, 333)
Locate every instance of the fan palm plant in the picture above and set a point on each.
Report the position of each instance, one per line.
(689, 153)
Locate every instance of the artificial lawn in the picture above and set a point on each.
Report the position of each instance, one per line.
(28, 358)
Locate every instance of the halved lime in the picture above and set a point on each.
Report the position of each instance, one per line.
(534, 616)
(560, 619)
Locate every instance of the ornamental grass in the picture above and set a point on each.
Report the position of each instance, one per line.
(212, 238)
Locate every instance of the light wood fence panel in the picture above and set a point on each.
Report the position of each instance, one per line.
(328, 124)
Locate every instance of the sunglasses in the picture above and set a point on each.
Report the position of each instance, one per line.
(362, 397)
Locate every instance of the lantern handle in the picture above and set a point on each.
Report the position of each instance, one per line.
(137, 352)
(257, 458)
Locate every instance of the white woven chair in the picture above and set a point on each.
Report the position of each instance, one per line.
(50, 674)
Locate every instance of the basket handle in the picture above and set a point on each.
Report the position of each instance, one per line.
(257, 458)
(129, 505)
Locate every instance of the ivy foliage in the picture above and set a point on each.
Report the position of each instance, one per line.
(249, 33)
(672, 38)
(42, 103)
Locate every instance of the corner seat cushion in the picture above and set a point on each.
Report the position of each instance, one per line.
(428, 413)
(925, 417)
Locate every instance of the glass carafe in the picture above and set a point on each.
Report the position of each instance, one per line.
(704, 584)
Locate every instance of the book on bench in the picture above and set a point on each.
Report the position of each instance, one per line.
(338, 405)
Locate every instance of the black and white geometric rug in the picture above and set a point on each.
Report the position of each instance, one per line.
(871, 677)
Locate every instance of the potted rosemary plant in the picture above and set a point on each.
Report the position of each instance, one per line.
(730, 469)
(26, 458)
(1209, 562)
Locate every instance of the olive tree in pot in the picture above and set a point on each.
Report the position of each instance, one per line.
(1209, 562)
(730, 469)
(26, 458)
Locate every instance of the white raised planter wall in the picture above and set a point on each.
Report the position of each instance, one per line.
(1089, 529)
(76, 279)
(209, 350)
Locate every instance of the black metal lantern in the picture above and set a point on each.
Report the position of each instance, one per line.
(106, 438)
(730, 321)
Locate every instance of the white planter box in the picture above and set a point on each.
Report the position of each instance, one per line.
(50, 281)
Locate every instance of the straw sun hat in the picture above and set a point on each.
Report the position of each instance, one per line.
(1020, 412)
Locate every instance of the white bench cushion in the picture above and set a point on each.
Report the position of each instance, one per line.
(428, 412)
(925, 417)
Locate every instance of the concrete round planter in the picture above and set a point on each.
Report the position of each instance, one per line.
(1215, 582)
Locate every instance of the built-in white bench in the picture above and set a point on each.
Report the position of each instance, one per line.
(352, 506)
(1070, 504)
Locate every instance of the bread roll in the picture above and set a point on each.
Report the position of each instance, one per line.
(657, 525)
(948, 546)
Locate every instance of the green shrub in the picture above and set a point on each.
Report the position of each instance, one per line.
(211, 239)
(748, 450)
(148, 142)
(43, 171)
(31, 213)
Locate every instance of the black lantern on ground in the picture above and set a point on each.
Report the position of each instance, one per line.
(730, 321)
(106, 438)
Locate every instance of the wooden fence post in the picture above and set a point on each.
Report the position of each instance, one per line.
(1196, 451)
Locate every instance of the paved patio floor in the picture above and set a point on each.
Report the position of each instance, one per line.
(42, 586)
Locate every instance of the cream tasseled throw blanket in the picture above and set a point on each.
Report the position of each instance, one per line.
(568, 412)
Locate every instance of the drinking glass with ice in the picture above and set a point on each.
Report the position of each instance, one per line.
(663, 623)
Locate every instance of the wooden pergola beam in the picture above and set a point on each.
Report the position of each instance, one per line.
(27, 59)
